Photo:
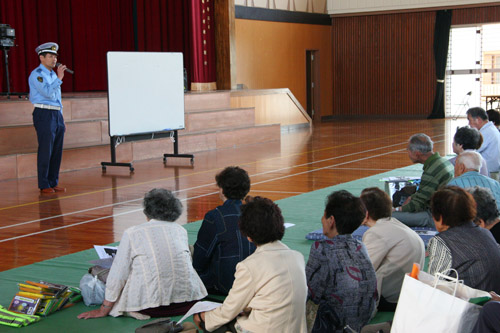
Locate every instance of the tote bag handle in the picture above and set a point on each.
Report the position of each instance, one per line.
(439, 276)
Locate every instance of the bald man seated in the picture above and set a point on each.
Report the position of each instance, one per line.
(467, 174)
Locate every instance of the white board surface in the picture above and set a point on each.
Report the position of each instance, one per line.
(145, 92)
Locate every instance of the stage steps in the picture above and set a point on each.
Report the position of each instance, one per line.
(210, 123)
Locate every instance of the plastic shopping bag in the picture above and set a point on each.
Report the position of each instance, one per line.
(92, 289)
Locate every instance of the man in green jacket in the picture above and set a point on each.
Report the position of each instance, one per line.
(437, 173)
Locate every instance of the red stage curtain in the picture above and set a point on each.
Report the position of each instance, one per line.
(86, 30)
(163, 26)
(97, 27)
(203, 45)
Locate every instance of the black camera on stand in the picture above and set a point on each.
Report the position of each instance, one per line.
(7, 36)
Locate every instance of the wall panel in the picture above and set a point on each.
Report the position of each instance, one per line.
(476, 15)
(342, 7)
(272, 55)
(383, 65)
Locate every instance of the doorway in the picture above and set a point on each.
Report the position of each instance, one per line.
(473, 69)
(312, 83)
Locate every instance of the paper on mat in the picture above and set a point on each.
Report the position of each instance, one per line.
(288, 225)
(426, 232)
(105, 251)
(200, 307)
(399, 179)
(106, 262)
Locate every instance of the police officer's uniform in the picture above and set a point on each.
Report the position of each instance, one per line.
(45, 94)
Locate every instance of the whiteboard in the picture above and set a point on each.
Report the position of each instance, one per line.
(145, 92)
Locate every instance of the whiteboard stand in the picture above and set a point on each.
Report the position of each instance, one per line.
(176, 151)
(113, 162)
(145, 99)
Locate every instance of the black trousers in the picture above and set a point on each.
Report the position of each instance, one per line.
(229, 327)
(489, 319)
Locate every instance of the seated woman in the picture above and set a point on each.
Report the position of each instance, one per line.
(468, 139)
(494, 116)
(461, 244)
(391, 245)
(487, 214)
(270, 285)
(340, 275)
(152, 273)
(220, 244)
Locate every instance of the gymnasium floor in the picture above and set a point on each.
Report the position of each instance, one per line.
(98, 206)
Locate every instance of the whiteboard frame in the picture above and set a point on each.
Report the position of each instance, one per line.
(145, 92)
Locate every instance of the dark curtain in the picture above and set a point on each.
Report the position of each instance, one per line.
(85, 31)
(97, 27)
(203, 45)
(441, 42)
(163, 26)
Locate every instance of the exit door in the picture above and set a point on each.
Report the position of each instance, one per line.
(312, 82)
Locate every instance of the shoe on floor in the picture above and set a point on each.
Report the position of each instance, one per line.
(47, 190)
(59, 189)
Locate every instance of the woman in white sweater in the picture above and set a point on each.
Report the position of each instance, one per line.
(152, 273)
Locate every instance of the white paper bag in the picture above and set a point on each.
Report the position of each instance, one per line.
(422, 307)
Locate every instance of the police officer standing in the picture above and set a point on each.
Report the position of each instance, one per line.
(45, 94)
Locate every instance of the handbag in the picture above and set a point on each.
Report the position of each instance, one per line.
(436, 304)
(166, 325)
(100, 272)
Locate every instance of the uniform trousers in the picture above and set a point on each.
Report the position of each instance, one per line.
(50, 128)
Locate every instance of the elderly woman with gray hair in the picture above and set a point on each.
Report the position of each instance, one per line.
(152, 274)
(488, 215)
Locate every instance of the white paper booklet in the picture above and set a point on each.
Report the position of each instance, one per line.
(200, 307)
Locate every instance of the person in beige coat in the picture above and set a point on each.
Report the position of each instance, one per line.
(269, 291)
(391, 246)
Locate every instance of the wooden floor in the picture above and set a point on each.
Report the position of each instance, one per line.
(98, 207)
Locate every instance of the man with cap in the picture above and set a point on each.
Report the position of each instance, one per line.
(45, 94)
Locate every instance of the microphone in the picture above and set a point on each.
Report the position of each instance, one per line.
(67, 69)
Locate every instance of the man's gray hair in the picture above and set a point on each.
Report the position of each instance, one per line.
(486, 204)
(160, 204)
(420, 142)
(470, 159)
(477, 112)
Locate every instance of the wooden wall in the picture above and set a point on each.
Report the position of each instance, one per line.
(476, 15)
(364, 6)
(272, 55)
(383, 65)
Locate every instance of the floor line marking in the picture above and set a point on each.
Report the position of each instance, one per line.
(202, 172)
(196, 187)
(195, 197)
(211, 184)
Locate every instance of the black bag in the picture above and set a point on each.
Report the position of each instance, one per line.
(399, 197)
(100, 272)
(160, 325)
